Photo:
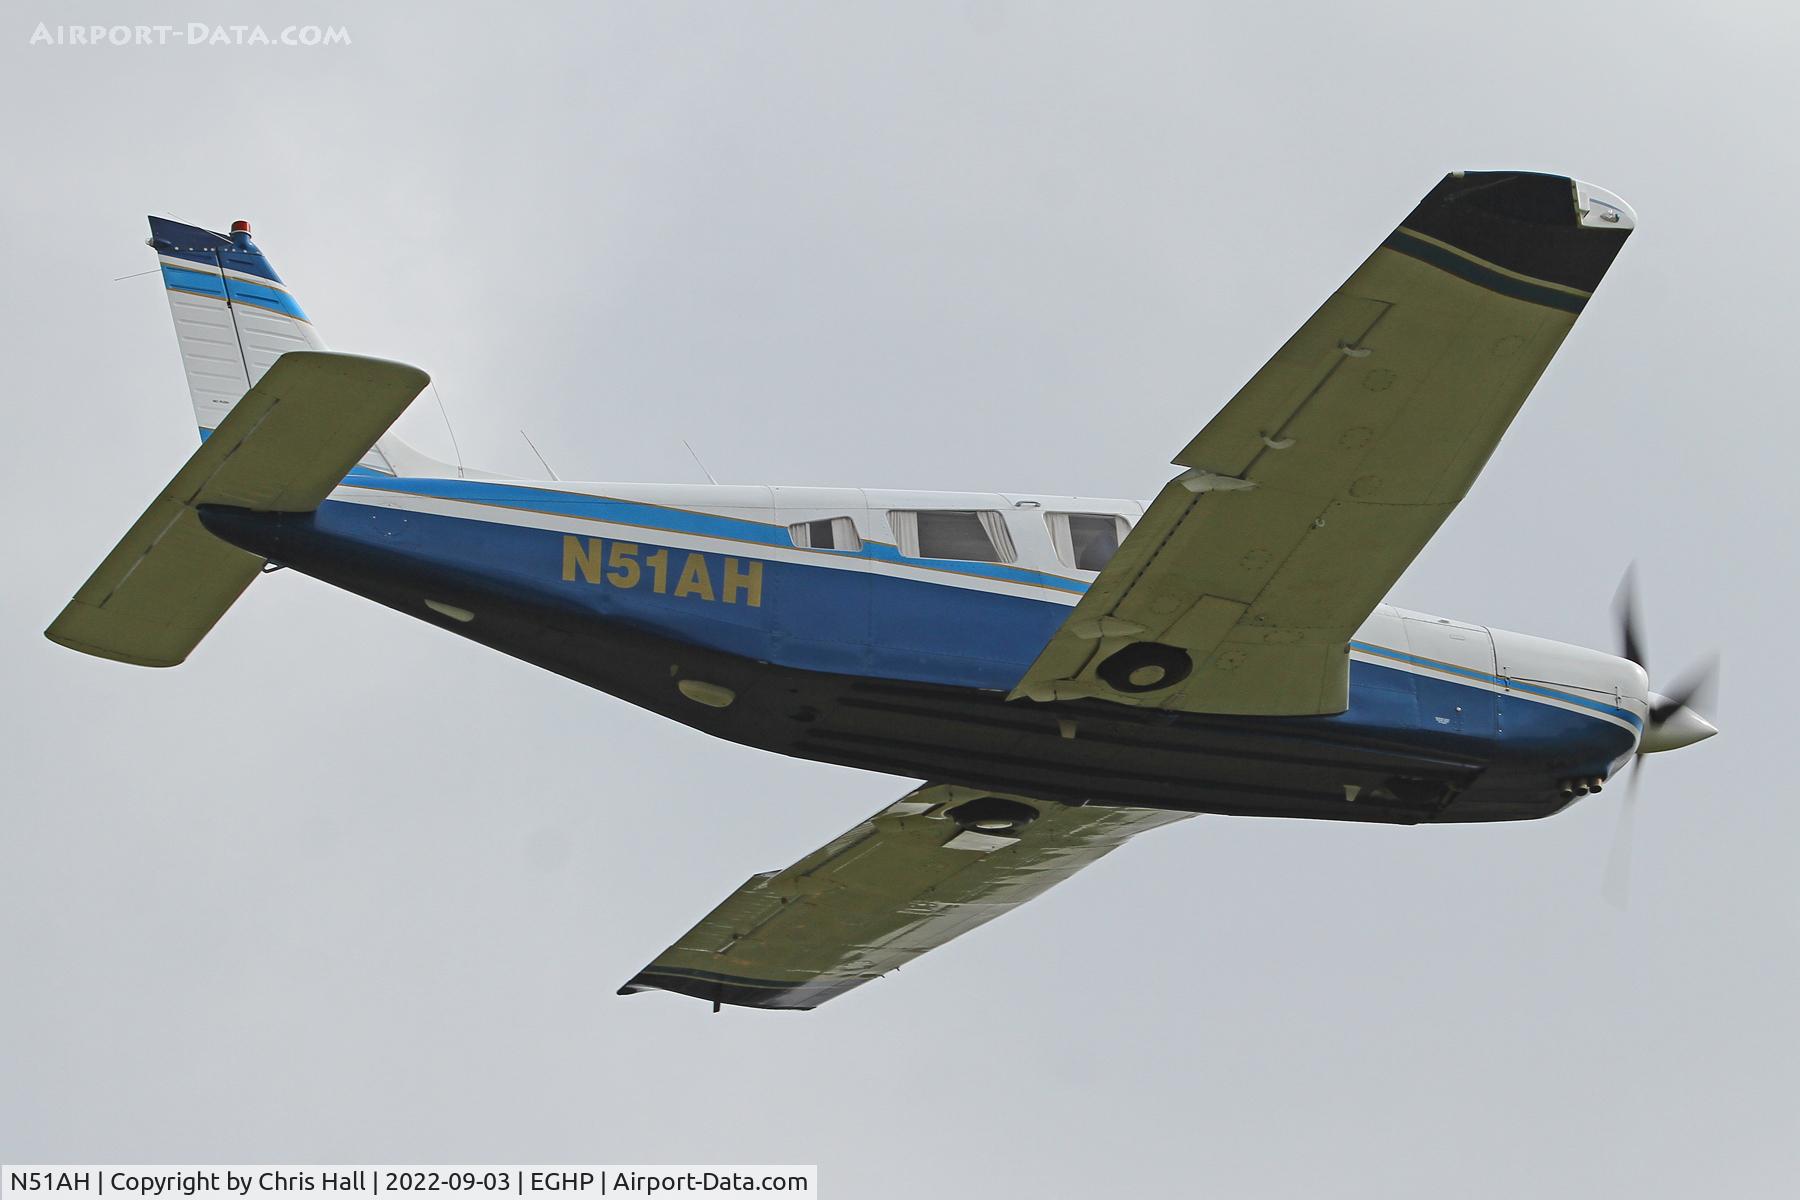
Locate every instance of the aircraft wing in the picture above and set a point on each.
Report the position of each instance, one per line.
(915, 875)
(1311, 491)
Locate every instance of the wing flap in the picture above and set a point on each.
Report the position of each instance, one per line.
(921, 872)
(282, 448)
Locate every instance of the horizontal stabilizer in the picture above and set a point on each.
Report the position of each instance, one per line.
(282, 448)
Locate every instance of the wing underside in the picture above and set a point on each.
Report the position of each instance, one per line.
(1312, 490)
(924, 870)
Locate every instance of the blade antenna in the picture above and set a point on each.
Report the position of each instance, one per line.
(461, 472)
(540, 457)
(698, 463)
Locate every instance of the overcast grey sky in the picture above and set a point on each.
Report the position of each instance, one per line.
(346, 888)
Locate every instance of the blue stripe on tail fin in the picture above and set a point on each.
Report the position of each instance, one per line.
(234, 317)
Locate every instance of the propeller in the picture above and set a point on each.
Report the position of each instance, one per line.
(1673, 721)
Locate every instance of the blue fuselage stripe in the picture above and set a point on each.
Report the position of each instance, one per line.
(914, 627)
(678, 520)
(1515, 685)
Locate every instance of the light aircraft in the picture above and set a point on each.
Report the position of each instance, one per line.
(1064, 672)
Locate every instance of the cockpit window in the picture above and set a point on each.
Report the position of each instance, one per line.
(828, 533)
(1087, 541)
(970, 536)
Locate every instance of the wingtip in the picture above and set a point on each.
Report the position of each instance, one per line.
(1601, 209)
(1550, 229)
(1539, 198)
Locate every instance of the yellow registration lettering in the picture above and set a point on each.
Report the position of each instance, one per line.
(583, 556)
(745, 577)
(695, 580)
(659, 571)
(622, 565)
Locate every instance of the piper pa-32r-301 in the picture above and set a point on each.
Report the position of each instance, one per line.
(1064, 672)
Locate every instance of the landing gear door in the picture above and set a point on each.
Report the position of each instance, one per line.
(1453, 673)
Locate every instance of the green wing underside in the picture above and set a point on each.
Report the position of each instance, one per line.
(1314, 488)
(915, 875)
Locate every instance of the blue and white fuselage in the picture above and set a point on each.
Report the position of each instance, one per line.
(713, 574)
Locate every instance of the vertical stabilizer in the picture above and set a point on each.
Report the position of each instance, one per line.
(233, 318)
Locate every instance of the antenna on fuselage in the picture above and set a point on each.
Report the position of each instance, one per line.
(461, 471)
(698, 463)
(540, 457)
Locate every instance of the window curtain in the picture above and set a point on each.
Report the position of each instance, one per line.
(801, 533)
(906, 533)
(994, 525)
(1059, 537)
(844, 535)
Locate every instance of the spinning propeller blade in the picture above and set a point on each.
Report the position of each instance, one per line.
(1673, 722)
(1617, 887)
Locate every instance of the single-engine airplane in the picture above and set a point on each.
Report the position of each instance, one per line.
(1064, 672)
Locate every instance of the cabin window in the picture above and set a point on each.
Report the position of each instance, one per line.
(1087, 541)
(827, 533)
(970, 536)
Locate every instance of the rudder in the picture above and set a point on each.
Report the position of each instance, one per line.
(234, 317)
